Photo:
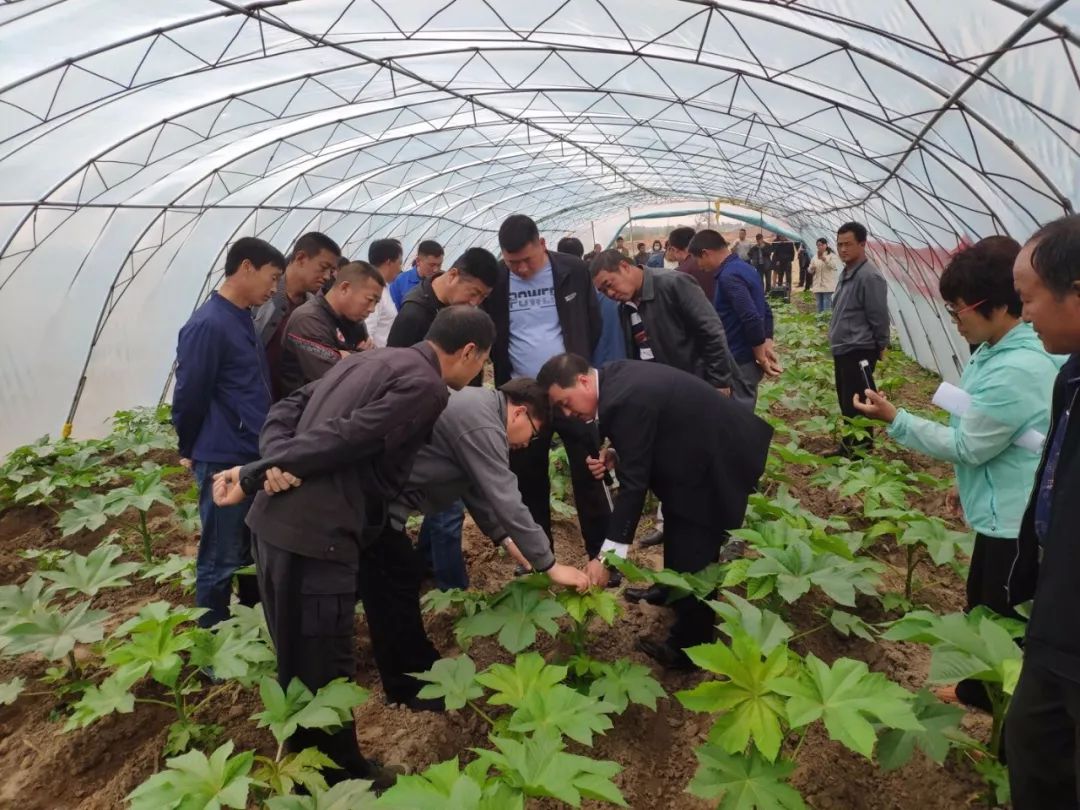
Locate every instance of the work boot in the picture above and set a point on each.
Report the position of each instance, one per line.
(654, 595)
(653, 538)
(666, 655)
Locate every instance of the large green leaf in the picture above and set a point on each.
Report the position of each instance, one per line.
(511, 684)
(539, 766)
(743, 782)
(93, 573)
(791, 568)
(86, 513)
(763, 626)
(285, 711)
(582, 606)
(561, 709)
(748, 703)
(352, 794)
(303, 768)
(941, 542)
(233, 652)
(113, 695)
(445, 786)
(54, 633)
(623, 682)
(193, 781)
(452, 679)
(940, 729)
(10, 690)
(515, 618)
(847, 696)
(157, 640)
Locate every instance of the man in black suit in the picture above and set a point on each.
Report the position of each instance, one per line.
(701, 453)
(544, 304)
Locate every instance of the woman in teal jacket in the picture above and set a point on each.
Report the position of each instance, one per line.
(1009, 378)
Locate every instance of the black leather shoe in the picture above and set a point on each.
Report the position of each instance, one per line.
(382, 776)
(666, 655)
(654, 538)
(838, 452)
(418, 704)
(614, 578)
(732, 550)
(654, 595)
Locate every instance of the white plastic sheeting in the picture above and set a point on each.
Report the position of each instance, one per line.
(138, 139)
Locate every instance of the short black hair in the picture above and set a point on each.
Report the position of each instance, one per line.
(562, 370)
(706, 240)
(759, 236)
(479, 264)
(528, 392)
(256, 251)
(606, 260)
(1056, 257)
(620, 238)
(983, 272)
(342, 261)
(457, 326)
(854, 228)
(355, 272)
(516, 232)
(383, 251)
(429, 247)
(822, 239)
(680, 237)
(313, 243)
(571, 246)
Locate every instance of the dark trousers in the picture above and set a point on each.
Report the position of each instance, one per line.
(440, 544)
(991, 562)
(850, 381)
(310, 607)
(530, 465)
(1041, 739)
(766, 281)
(224, 547)
(782, 272)
(688, 548)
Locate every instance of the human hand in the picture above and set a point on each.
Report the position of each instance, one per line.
(952, 502)
(516, 555)
(765, 357)
(226, 489)
(569, 577)
(278, 480)
(875, 405)
(597, 573)
(367, 344)
(599, 466)
(185, 463)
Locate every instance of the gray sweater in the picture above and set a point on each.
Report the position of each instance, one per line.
(468, 457)
(860, 318)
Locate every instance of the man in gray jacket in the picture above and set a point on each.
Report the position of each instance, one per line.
(665, 317)
(859, 330)
(467, 458)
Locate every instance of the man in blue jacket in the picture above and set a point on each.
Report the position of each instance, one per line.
(427, 264)
(220, 402)
(740, 301)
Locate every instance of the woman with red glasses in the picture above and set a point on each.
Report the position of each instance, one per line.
(1009, 379)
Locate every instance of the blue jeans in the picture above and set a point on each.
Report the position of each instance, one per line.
(224, 547)
(824, 302)
(440, 543)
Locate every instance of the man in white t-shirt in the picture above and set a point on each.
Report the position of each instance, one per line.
(544, 304)
(385, 256)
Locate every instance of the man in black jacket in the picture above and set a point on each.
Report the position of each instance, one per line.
(544, 304)
(469, 282)
(351, 438)
(700, 452)
(329, 326)
(1043, 724)
(665, 317)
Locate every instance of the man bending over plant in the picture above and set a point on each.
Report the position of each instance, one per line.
(701, 453)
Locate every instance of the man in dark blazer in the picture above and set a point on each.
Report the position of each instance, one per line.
(544, 304)
(700, 452)
(666, 318)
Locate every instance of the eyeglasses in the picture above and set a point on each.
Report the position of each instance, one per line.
(956, 313)
(532, 424)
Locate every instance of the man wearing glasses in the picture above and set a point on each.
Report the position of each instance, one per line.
(468, 459)
(544, 304)
(859, 330)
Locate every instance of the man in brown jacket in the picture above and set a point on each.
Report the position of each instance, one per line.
(351, 438)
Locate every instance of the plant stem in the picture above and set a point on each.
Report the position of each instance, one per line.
(156, 702)
(808, 632)
(482, 713)
(999, 702)
(144, 530)
(912, 561)
(72, 662)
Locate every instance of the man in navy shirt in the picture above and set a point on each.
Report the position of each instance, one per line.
(220, 402)
(427, 264)
(747, 317)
